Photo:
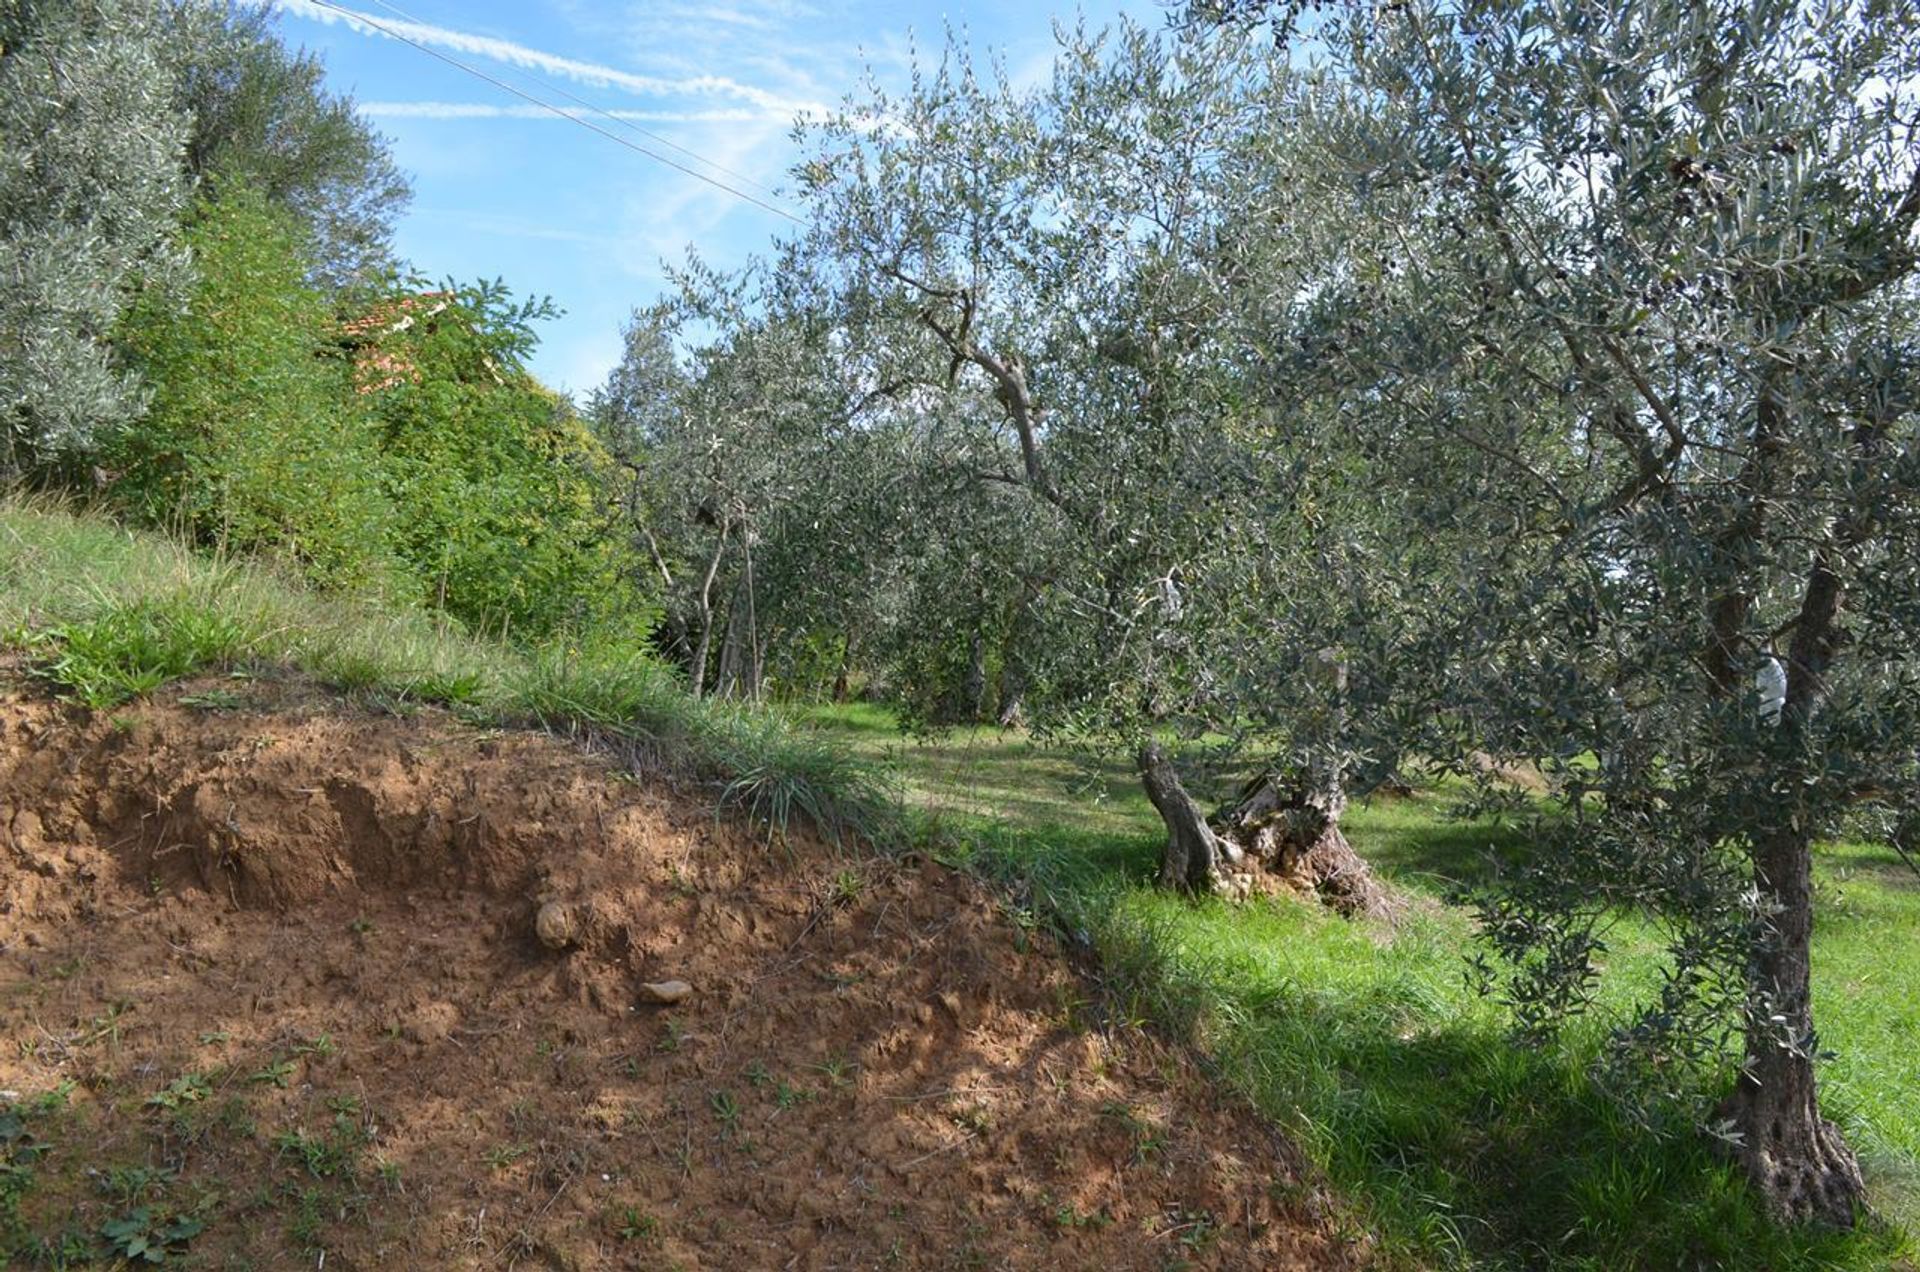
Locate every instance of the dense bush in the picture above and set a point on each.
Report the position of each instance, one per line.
(404, 450)
(504, 489)
(252, 438)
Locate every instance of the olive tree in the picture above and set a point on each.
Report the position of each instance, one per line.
(1648, 270)
(758, 477)
(259, 113)
(90, 186)
(1053, 261)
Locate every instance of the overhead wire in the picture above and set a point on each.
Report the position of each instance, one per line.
(615, 138)
(614, 116)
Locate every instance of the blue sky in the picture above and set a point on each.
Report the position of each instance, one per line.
(503, 189)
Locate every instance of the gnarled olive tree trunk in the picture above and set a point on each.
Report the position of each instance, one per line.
(697, 665)
(1192, 856)
(1796, 1159)
(1291, 829)
(1284, 824)
(1286, 828)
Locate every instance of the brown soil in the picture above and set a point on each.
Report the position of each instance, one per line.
(311, 929)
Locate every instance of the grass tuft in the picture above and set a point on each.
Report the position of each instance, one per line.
(624, 691)
(134, 647)
(782, 776)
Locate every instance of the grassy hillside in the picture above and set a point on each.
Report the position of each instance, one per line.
(1460, 1147)
(104, 614)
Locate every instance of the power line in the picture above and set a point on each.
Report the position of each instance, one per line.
(551, 87)
(549, 106)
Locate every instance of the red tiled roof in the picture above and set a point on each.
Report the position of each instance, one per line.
(375, 368)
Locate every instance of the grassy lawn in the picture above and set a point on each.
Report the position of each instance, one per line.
(1456, 1146)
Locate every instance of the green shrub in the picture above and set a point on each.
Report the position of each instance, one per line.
(404, 453)
(505, 491)
(253, 439)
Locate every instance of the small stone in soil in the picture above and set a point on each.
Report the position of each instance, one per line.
(556, 926)
(672, 991)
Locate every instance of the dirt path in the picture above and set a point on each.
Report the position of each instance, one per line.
(280, 956)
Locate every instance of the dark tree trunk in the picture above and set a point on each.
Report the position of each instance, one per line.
(698, 666)
(741, 652)
(1190, 860)
(1795, 1159)
(733, 677)
(842, 687)
(1013, 663)
(726, 676)
(756, 646)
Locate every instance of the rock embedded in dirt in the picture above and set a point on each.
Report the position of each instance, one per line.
(557, 925)
(665, 992)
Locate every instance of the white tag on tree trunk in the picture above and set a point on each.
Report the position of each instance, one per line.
(1770, 682)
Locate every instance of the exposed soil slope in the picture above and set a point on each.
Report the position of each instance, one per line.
(286, 952)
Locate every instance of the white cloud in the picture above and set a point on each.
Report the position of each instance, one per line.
(512, 54)
(729, 17)
(513, 227)
(485, 110)
(657, 226)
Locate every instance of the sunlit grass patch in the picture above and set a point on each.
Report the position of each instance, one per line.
(133, 648)
(1456, 1146)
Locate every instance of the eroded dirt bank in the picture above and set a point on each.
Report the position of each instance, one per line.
(284, 952)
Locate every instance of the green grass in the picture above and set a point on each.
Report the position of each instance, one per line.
(106, 614)
(1456, 1147)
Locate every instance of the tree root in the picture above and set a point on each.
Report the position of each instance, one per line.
(1795, 1159)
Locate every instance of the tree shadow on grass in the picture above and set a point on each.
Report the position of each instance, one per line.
(1463, 1146)
(1418, 838)
(1519, 1155)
